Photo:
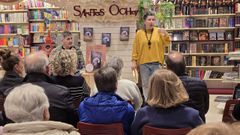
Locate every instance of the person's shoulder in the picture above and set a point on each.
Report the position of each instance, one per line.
(126, 81)
(190, 110)
(140, 31)
(191, 79)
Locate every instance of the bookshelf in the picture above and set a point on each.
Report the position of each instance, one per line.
(204, 32)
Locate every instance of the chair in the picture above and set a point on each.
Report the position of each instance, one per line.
(227, 114)
(100, 129)
(148, 130)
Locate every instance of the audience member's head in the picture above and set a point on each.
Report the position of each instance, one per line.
(11, 62)
(117, 64)
(213, 129)
(64, 62)
(106, 79)
(166, 89)
(37, 63)
(67, 39)
(25, 103)
(176, 62)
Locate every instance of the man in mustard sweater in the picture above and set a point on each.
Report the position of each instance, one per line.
(148, 49)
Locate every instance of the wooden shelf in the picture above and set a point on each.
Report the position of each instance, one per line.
(204, 41)
(200, 28)
(12, 34)
(12, 11)
(230, 66)
(5, 46)
(203, 15)
(14, 23)
(42, 20)
(202, 54)
(41, 8)
(52, 32)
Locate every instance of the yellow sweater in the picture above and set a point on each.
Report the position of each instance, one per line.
(142, 54)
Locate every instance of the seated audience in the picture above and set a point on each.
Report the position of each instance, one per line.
(214, 129)
(61, 107)
(27, 105)
(106, 107)
(126, 89)
(64, 63)
(196, 88)
(164, 107)
(14, 67)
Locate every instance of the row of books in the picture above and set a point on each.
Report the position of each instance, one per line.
(14, 17)
(14, 29)
(18, 6)
(38, 3)
(199, 73)
(189, 7)
(59, 26)
(211, 74)
(203, 22)
(237, 20)
(237, 7)
(206, 60)
(37, 27)
(42, 14)
(201, 48)
(9, 41)
(237, 46)
(202, 35)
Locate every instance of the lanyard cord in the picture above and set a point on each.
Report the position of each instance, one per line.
(149, 40)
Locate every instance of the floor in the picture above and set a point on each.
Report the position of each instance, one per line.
(215, 110)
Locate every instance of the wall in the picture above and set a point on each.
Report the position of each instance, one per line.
(118, 48)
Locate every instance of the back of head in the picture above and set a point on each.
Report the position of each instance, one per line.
(166, 89)
(8, 60)
(106, 79)
(36, 62)
(117, 64)
(213, 129)
(64, 62)
(26, 103)
(176, 62)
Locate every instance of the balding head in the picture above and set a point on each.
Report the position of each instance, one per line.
(175, 62)
(36, 62)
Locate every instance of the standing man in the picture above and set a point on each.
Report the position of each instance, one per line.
(148, 49)
(196, 88)
(67, 43)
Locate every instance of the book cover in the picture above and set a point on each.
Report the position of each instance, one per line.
(178, 23)
(202, 60)
(95, 56)
(106, 39)
(183, 47)
(175, 47)
(228, 35)
(223, 22)
(215, 60)
(193, 35)
(215, 22)
(178, 36)
(212, 36)
(193, 48)
(203, 35)
(185, 35)
(88, 34)
(124, 33)
(220, 35)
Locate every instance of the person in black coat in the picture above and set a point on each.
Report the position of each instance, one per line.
(14, 70)
(64, 65)
(196, 88)
(61, 106)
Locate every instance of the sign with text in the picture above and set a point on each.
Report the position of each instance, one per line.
(100, 10)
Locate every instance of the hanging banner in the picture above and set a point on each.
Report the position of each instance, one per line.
(99, 10)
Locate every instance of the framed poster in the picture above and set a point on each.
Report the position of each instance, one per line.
(124, 33)
(95, 57)
(88, 34)
(106, 39)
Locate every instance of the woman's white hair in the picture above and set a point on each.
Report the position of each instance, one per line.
(26, 102)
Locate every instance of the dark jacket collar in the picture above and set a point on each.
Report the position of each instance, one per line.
(37, 77)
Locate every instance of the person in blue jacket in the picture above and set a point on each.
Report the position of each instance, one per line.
(106, 107)
(164, 107)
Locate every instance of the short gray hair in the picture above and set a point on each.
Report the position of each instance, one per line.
(117, 64)
(25, 103)
(66, 34)
(36, 62)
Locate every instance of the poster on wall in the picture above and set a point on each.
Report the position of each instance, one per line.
(106, 39)
(124, 33)
(88, 34)
(95, 57)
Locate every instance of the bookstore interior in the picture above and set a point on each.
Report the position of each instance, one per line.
(206, 32)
